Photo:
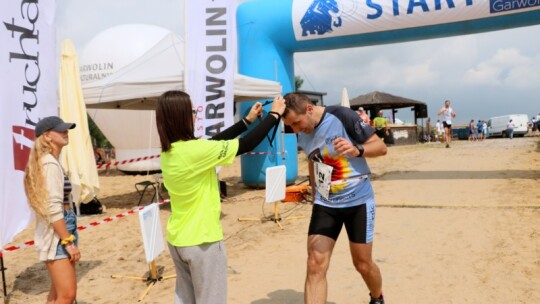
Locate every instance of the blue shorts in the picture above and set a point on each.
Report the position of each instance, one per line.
(71, 223)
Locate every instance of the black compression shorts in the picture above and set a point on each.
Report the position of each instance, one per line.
(359, 222)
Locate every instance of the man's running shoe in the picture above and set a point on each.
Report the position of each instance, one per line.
(379, 300)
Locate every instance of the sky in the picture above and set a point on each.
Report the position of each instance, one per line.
(484, 75)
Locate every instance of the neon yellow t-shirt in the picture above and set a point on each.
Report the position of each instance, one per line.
(189, 174)
(379, 122)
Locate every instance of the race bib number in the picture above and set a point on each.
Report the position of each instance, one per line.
(323, 175)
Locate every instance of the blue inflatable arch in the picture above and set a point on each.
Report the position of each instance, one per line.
(271, 31)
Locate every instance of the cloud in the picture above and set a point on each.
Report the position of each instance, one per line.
(409, 65)
(508, 67)
(383, 73)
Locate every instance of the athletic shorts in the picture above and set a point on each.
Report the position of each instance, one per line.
(381, 133)
(359, 221)
(446, 125)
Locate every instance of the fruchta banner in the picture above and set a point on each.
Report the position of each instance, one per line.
(211, 63)
(28, 83)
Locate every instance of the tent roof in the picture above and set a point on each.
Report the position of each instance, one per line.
(139, 84)
(381, 100)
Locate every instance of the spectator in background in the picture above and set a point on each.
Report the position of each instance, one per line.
(484, 129)
(480, 130)
(381, 125)
(362, 113)
(440, 130)
(537, 119)
(510, 129)
(472, 131)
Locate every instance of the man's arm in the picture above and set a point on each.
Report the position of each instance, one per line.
(441, 111)
(373, 147)
(311, 170)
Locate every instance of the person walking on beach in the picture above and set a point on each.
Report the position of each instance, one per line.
(510, 129)
(337, 143)
(188, 164)
(48, 191)
(448, 114)
(472, 131)
(480, 130)
(440, 130)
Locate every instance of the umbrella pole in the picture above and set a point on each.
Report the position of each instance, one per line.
(6, 300)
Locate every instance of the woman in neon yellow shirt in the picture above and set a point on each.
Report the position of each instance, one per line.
(188, 164)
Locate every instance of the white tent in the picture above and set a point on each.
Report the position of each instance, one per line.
(137, 85)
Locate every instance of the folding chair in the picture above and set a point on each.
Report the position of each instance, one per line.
(141, 188)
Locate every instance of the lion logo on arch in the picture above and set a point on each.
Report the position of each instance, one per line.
(320, 17)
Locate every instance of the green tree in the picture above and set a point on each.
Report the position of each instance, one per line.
(298, 82)
(98, 139)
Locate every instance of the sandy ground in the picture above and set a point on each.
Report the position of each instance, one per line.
(458, 225)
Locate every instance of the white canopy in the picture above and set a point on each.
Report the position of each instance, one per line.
(161, 68)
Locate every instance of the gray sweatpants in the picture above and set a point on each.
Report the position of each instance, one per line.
(201, 273)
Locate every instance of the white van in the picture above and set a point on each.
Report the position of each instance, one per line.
(497, 125)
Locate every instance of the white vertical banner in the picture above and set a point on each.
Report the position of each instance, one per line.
(210, 63)
(28, 83)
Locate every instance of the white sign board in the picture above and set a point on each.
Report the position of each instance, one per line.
(275, 183)
(151, 232)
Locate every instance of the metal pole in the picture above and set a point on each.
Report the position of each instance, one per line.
(3, 277)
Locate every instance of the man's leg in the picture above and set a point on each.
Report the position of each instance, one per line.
(319, 252)
(364, 264)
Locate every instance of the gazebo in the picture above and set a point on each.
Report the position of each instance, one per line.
(375, 101)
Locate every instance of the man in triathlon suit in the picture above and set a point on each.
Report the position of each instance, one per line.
(448, 113)
(337, 141)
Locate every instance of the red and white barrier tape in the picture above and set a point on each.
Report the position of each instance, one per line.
(133, 160)
(84, 227)
(264, 153)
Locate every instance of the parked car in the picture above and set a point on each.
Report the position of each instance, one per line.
(497, 125)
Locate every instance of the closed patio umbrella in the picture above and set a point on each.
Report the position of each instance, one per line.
(78, 157)
(345, 98)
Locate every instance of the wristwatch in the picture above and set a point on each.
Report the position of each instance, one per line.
(361, 150)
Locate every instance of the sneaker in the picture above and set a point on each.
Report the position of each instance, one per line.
(380, 300)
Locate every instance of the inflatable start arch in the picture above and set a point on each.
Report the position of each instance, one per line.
(269, 32)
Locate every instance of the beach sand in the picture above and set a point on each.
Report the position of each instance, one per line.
(458, 225)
